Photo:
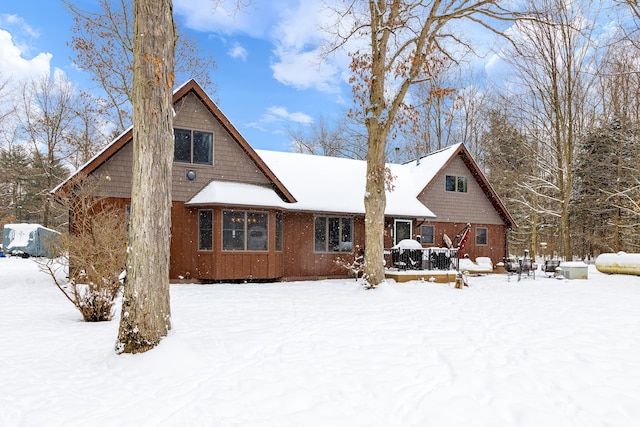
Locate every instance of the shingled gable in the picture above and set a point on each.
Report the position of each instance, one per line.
(461, 151)
(190, 86)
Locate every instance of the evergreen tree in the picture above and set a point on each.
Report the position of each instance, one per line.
(14, 164)
(606, 168)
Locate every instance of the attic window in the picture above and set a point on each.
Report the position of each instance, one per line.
(193, 146)
(456, 183)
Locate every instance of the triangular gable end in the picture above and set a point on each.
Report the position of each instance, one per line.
(482, 181)
(191, 86)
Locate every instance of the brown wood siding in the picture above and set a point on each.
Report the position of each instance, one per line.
(218, 264)
(300, 259)
(115, 174)
(494, 249)
(448, 206)
(231, 162)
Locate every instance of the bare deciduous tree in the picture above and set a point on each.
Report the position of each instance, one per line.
(404, 39)
(554, 51)
(47, 114)
(6, 107)
(103, 43)
(90, 130)
(342, 139)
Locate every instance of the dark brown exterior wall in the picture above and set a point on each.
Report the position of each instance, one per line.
(298, 258)
(301, 261)
(187, 260)
(494, 249)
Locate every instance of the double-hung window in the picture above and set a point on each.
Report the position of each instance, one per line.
(245, 231)
(193, 146)
(456, 183)
(333, 234)
(481, 236)
(427, 234)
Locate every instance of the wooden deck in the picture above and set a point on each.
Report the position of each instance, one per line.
(438, 276)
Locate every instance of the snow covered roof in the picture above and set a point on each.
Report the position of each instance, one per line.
(238, 194)
(337, 185)
(309, 183)
(332, 184)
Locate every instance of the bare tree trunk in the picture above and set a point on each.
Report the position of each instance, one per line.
(375, 201)
(146, 315)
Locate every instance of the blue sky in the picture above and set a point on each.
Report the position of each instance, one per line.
(268, 75)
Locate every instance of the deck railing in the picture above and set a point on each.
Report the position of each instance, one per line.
(422, 259)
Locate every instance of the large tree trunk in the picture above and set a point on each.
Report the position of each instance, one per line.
(146, 315)
(375, 201)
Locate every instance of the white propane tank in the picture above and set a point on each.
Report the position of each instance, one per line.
(620, 263)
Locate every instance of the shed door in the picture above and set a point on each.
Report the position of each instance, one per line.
(401, 230)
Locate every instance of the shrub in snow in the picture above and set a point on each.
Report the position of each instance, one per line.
(95, 254)
(355, 265)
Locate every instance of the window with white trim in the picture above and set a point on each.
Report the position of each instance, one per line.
(481, 236)
(456, 183)
(427, 234)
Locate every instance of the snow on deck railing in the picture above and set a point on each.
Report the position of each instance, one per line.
(404, 257)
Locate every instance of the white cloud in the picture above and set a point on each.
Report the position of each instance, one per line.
(271, 121)
(15, 21)
(238, 52)
(275, 113)
(305, 70)
(14, 66)
(224, 17)
(294, 28)
(299, 40)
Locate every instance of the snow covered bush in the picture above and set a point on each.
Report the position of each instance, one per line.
(94, 251)
(355, 266)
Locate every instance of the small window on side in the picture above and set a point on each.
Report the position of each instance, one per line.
(205, 230)
(193, 146)
(278, 232)
(481, 236)
(427, 234)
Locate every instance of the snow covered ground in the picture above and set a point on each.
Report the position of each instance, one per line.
(542, 352)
